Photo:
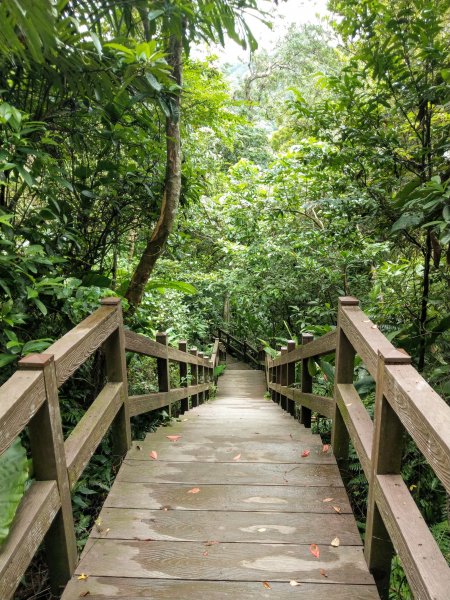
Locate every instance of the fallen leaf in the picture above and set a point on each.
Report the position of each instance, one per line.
(237, 457)
(138, 447)
(374, 326)
(323, 573)
(294, 583)
(154, 455)
(194, 491)
(337, 509)
(314, 549)
(306, 453)
(262, 529)
(173, 438)
(325, 448)
(84, 594)
(327, 499)
(267, 585)
(205, 553)
(82, 577)
(335, 542)
(211, 543)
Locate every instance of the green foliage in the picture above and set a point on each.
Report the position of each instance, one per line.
(13, 477)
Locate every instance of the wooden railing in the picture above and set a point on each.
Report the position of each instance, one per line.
(242, 348)
(404, 402)
(29, 399)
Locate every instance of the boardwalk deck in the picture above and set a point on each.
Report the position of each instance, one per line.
(228, 511)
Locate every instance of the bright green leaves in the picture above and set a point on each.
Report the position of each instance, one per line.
(13, 477)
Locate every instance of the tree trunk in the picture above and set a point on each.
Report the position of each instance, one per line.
(172, 186)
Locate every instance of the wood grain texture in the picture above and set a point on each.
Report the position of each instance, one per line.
(148, 402)
(88, 433)
(225, 526)
(141, 344)
(79, 343)
(427, 570)
(318, 347)
(424, 415)
(279, 498)
(32, 521)
(358, 423)
(321, 404)
(224, 562)
(21, 396)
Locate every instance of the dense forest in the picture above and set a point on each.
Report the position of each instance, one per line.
(207, 194)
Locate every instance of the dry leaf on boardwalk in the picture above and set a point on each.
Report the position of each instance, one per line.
(82, 577)
(194, 491)
(237, 457)
(327, 499)
(211, 543)
(323, 573)
(173, 438)
(154, 455)
(294, 583)
(267, 585)
(335, 542)
(84, 594)
(337, 509)
(314, 549)
(306, 453)
(325, 448)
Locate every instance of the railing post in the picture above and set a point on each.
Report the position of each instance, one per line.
(49, 463)
(307, 382)
(116, 371)
(274, 380)
(345, 363)
(283, 379)
(163, 368)
(290, 378)
(194, 378)
(206, 379)
(201, 377)
(245, 351)
(182, 345)
(387, 451)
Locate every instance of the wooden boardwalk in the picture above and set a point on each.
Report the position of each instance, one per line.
(228, 510)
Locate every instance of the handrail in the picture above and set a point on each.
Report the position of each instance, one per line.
(242, 347)
(404, 401)
(30, 399)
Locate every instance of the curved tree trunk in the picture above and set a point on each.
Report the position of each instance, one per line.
(172, 186)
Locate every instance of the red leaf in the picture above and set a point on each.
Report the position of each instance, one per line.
(194, 491)
(173, 438)
(154, 455)
(237, 457)
(323, 573)
(325, 448)
(205, 553)
(267, 585)
(306, 453)
(314, 549)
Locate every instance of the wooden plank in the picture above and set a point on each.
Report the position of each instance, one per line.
(318, 347)
(195, 474)
(279, 498)
(152, 589)
(320, 404)
(306, 382)
(147, 402)
(79, 343)
(141, 344)
(358, 423)
(21, 396)
(424, 414)
(88, 433)
(426, 569)
(182, 345)
(224, 562)
(36, 512)
(202, 526)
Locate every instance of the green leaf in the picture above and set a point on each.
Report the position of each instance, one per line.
(97, 280)
(13, 477)
(407, 220)
(180, 286)
(6, 359)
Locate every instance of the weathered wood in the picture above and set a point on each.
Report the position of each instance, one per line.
(49, 463)
(426, 569)
(148, 402)
(423, 413)
(306, 382)
(345, 361)
(162, 367)
(283, 380)
(201, 378)
(259, 527)
(134, 589)
(290, 378)
(182, 346)
(387, 451)
(326, 344)
(72, 350)
(194, 378)
(116, 372)
(321, 404)
(358, 423)
(21, 396)
(88, 433)
(141, 344)
(36, 512)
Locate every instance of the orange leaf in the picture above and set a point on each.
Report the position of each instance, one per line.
(323, 573)
(154, 455)
(211, 543)
(306, 453)
(173, 438)
(267, 585)
(325, 448)
(237, 457)
(314, 549)
(327, 499)
(85, 594)
(82, 577)
(194, 491)
(337, 509)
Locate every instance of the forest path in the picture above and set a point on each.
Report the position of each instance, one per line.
(227, 510)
